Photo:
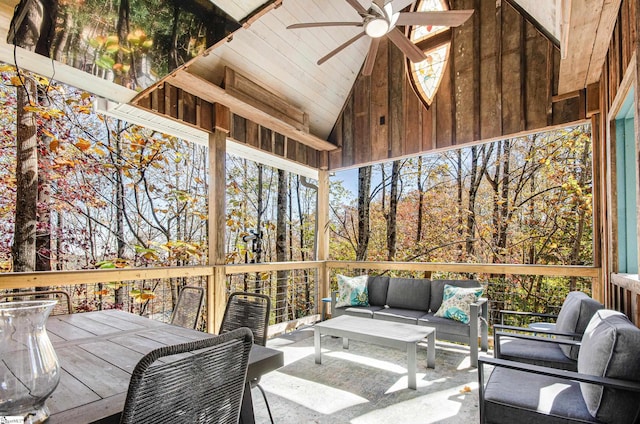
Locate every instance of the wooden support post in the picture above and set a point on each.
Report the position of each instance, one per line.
(216, 287)
(323, 236)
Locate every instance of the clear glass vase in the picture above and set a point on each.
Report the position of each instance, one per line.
(29, 370)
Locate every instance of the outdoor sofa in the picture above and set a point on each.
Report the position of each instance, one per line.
(415, 301)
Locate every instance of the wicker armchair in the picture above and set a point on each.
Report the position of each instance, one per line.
(62, 308)
(249, 310)
(204, 387)
(188, 307)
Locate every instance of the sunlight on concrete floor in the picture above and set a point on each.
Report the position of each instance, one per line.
(367, 384)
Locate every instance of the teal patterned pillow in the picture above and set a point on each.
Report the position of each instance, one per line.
(352, 291)
(456, 301)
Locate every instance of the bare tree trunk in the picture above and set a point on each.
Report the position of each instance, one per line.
(119, 293)
(303, 251)
(173, 56)
(392, 227)
(33, 25)
(364, 201)
(43, 231)
(504, 197)
(477, 154)
(59, 241)
(459, 186)
(24, 241)
(281, 246)
(420, 201)
(582, 179)
(122, 28)
(258, 242)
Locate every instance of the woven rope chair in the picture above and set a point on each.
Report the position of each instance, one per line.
(63, 306)
(187, 310)
(205, 387)
(249, 310)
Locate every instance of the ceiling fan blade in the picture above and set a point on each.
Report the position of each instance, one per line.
(339, 48)
(401, 4)
(409, 49)
(448, 18)
(371, 57)
(324, 24)
(357, 6)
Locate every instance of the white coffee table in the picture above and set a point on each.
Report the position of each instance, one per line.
(385, 333)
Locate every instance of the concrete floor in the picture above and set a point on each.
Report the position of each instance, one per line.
(366, 384)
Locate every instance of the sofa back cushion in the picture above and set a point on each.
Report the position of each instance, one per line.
(377, 287)
(352, 291)
(610, 348)
(576, 313)
(409, 293)
(437, 290)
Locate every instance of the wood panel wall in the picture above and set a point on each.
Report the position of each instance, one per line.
(500, 80)
(619, 72)
(174, 103)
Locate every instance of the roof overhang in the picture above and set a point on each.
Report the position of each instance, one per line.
(586, 28)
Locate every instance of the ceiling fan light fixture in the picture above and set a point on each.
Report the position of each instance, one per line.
(376, 28)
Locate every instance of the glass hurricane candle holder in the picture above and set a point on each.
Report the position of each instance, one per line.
(29, 370)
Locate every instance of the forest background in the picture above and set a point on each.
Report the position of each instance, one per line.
(109, 194)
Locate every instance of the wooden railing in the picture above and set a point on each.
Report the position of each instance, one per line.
(320, 283)
(625, 295)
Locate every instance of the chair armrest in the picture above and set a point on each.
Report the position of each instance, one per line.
(614, 383)
(479, 307)
(537, 331)
(499, 334)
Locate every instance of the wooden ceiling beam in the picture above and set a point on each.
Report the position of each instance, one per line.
(210, 92)
(591, 23)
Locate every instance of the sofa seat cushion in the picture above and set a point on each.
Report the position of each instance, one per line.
(536, 353)
(513, 396)
(437, 290)
(574, 316)
(377, 286)
(409, 293)
(444, 325)
(407, 316)
(360, 311)
(610, 348)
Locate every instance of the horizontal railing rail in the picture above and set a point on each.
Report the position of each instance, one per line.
(309, 279)
(20, 280)
(504, 269)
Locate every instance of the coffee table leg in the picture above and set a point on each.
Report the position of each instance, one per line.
(316, 343)
(411, 365)
(345, 343)
(431, 350)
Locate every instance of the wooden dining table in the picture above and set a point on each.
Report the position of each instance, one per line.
(98, 351)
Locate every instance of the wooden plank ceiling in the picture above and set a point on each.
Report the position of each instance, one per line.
(284, 61)
(589, 24)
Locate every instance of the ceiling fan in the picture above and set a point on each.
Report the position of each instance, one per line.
(381, 20)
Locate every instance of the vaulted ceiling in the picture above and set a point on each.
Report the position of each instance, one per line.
(283, 61)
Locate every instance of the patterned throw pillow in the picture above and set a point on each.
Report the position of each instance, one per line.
(456, 301)
(352, 291)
